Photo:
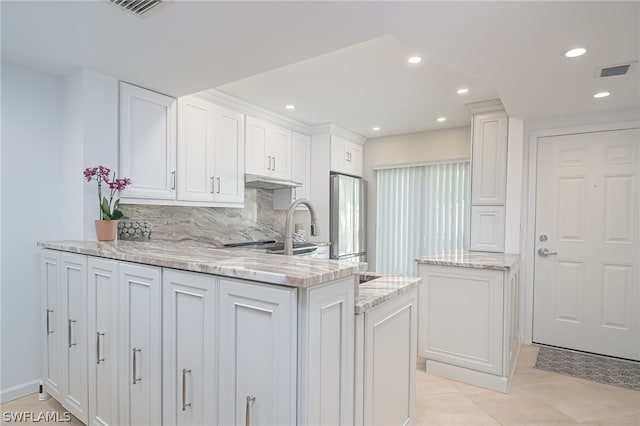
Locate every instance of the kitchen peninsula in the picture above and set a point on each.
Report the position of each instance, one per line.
(188, 333)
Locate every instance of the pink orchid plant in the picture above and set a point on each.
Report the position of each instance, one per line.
(108, 207)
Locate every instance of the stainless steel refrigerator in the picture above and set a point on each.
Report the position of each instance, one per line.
(348, 221)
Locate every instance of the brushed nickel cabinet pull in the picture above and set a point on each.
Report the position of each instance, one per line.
(185, 371)
(173, 178)
(274, 163)
(71, 344)
(49, 331)
(269, 162)
(98, 359)
(212, 184)
(218, 179)
(250, 399)
(135, 366)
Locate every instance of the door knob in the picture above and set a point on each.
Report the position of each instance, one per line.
(543, 252)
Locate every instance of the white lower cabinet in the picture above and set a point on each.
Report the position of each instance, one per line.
(103, 341)
(73, 281)
(51, 320)
(189, 348)
(386, 348)
(257, 351)
(140, 368)
(479, 307)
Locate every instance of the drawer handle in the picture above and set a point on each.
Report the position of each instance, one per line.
(185, 371)
(135, 366)
(71, 343)
(250, 399)
(98, 359)
(49, 331)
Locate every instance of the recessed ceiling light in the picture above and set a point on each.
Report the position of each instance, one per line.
(574, 53)
(414, 60)
(376, 129)
(290, 106)
(601, 95)
(441, 119)
(463, 90)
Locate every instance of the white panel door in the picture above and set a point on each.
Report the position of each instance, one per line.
(73, 279)
(228, 162)
(189, 355)
(140, 369)
(587, 289)
(258, 335)
(51, 323)
(147, 143)
(195, 149)
(103, 341)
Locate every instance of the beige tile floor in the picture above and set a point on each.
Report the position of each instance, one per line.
(537, 398)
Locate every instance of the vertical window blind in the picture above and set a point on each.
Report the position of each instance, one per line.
(421, 210)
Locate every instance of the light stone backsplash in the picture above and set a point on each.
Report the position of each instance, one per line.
(215, 225)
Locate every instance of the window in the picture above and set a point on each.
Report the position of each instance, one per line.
(421, 210)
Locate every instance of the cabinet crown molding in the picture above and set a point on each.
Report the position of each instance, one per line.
(334, 129)
(485, 106)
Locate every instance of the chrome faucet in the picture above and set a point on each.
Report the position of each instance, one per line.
(288, 229)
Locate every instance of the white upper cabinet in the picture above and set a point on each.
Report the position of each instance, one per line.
(300, 172)
(210, 152)
(268, 149)
(346, 156)
(489, 158)
(147, 143)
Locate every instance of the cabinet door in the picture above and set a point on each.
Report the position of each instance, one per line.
(300, 172)
(354, 159)
(327, 354)
(147, 143)
(73, 279)
(228, 168)
(51, 320)
(189, 353)
(279, 142)
(258, 336)
(489, 158)
(257, 158)
(469, 302)
(338, 154)
(103, 341)
(390, 361)
(195, 149)
(140, 369)
(487, 228)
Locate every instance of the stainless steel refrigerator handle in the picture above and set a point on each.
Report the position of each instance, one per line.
(250, 399)
(48, 330)
(71, 344)
(98, 334)
(135, 368)
(185, 371)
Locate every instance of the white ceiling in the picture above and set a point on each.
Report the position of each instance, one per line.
(509, 49)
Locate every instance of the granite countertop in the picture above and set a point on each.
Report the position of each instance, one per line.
(379, 290)
(201, 257)
(473, 259)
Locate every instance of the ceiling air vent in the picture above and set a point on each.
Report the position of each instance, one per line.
(617, 70)
(139, 7)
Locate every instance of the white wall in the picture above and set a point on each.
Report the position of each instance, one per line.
(33, 209)
(412, 148)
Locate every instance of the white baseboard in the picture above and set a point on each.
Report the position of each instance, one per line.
(471, 377)
(15, 392)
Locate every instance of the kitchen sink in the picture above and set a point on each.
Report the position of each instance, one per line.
(368, 276)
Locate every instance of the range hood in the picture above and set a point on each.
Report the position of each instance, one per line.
(262, 182)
